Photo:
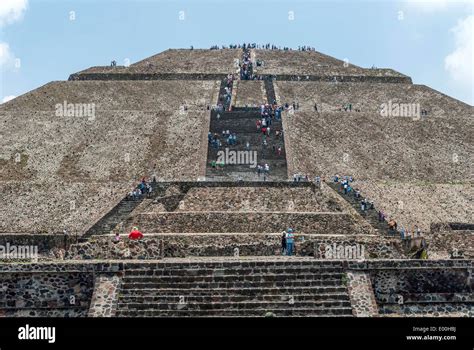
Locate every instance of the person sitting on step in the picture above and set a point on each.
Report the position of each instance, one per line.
(135, 234)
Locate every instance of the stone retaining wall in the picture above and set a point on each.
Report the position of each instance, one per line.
(105, 297)
(361, 294)
(228, 222)
(45, 293)
(201, 245)
(44, 242)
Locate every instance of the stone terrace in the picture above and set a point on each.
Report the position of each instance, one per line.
(177, 61)
(302, 63)
(369, 147)
(426, 164)
(226, 210)
(187, 245)
(161, 95)
(257, 199)
(239, 286)
(368, 97)
(138, 129)
(40, 207)
(421, 204)
(250, 93)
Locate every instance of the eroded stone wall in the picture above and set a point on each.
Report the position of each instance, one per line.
(105, 296)
(227, 222)
(201, 245)
(45, 293)
(424, 292)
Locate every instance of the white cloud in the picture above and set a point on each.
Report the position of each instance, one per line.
(11, 11)
(8, 98)
(433, 5)
(459, 62)
(6, 56)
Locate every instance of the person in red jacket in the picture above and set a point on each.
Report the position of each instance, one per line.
(135, 234)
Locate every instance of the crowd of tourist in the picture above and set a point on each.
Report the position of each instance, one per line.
(269, 113)
(268, 46)
(246, 68)
(144, 189)
(226, 95)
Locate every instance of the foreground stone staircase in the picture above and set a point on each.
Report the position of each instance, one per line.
(233, 289)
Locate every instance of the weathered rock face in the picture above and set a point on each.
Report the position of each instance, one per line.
(227, 222)
(262, 199)
(201, 245)
(54, 293)
(408, 165)
(105, 296)
(175, 61)
(137, 129)
(361, 294)
(105, 248)
(451, 244)
(140, 128)
(434, 292)
(250, 93)
(421, 204)
(401, 287)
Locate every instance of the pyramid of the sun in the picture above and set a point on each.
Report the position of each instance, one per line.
(59, 171)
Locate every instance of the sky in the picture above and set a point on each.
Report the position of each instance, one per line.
(46, 40)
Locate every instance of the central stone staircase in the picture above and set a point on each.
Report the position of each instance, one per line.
(243, 124)
(235, 289)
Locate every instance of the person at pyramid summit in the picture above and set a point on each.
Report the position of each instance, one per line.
(135, 234)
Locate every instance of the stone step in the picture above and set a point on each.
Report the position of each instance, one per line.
(251, 222)
(427, 298)
(236, 114)
(247, 176)
(42, 304)
(434, 309)
(277, 270)
(276, 167)
(308, 312)
(81, 306)
(44, 312)
(240, 126)
(256, 262)
(115, 216)
(260, 156)
(210, 305)
(230, 298)
(236, 284)
(256, 139)
(247, 292)
(233, 277)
